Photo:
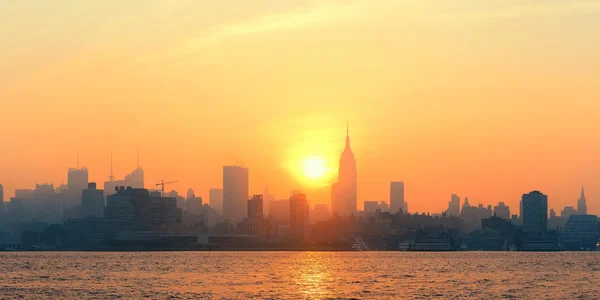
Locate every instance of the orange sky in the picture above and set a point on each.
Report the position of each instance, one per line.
(488, 99)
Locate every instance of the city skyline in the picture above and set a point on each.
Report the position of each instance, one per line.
(485, 100)
(131, 179)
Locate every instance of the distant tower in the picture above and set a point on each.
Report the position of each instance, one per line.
(582, 204)
(299, 216)
(111, 178)
(344, 192)
(235, 193)
(466, 204)
(397, 197)
(454, 206)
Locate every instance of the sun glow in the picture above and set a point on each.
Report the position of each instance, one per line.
(314, 167)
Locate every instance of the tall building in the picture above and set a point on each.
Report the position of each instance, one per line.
(534, 207)
(344, 192)
(299, 218)
(502, 211)
(453, 206)
(397, 196)
(235, 193)
(77, 180)
(215, 200)
(268, 198)
(581, 203)
(255, 207)
(1, 199)
(92, 202)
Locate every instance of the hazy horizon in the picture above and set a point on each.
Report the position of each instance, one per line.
(488, 100)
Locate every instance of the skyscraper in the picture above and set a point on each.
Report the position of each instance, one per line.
(502, 211)
(582, 204)
(92, 202)
(215, 199)
(77, 180)
(235, 193)
(255, 207)
(453, 206)
(397, 196)
(299, 210)
(534, 208)
(344, 192)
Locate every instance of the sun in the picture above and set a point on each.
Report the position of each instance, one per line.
(314, 167)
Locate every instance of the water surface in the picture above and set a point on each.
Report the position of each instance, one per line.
(299, 275)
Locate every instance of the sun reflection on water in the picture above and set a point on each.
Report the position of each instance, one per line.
(312, 275)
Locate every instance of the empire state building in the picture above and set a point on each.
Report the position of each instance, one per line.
(343, 192)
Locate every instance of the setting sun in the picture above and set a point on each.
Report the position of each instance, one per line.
(314, 167)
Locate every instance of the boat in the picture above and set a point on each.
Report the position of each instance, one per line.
(359, 244)
(464, 247)
(405, 246)
(598, 246)
(433, 244)
(512, 248)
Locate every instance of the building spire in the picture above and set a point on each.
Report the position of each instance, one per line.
(347, 128)
(77, 158)
(111, 178)
(138, 156)
(347, 135)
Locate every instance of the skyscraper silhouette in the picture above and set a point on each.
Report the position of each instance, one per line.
(397, 196)
(299, 217)
(344, 192)
(582, 203)
(215, 199)
(235, 193)
(534, 207)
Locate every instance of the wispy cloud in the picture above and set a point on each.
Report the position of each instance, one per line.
(319, 15)
(540, 9)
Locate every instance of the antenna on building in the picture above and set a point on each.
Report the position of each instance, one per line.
(138, 156)
(111, 178)
(347, 127)
(77, 158)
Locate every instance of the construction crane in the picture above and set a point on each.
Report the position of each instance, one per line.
(162, 184)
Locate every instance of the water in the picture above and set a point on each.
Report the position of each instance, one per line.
(299, 275)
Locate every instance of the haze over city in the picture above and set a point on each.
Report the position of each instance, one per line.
(489, 100)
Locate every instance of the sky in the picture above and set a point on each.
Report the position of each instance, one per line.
(489, 99)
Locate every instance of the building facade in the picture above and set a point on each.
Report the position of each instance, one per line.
(215, 199)
(397, 197)
(534, 207)
(235, 193)
(255, 207)
(299, 217)
(92, 202)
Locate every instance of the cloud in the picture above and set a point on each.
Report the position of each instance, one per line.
(522, 11)
(319, 15)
